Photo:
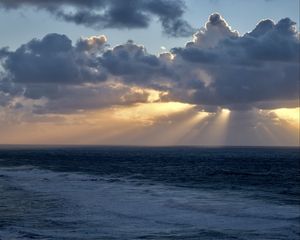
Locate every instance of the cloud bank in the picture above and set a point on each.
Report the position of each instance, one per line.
(100, 14)
(218, 68)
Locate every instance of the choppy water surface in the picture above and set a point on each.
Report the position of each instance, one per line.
(150, 193)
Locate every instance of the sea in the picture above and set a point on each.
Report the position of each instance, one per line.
(110, 193)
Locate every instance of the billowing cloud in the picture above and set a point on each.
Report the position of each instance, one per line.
(253, 70)
(215, 30)
(134, 65)
(100, 14)
(218, 69)
(54, 59)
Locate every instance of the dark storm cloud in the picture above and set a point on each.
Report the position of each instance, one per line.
(101, 14)
(42, 67)
(74, 77)
(245, 71)
(52, 59)
(4, 52)
(219, 68)
(133, 64)
(51, 68)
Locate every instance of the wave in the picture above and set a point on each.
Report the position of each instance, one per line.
(65, 205)
(255, 174)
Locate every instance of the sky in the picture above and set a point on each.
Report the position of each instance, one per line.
(149, 72)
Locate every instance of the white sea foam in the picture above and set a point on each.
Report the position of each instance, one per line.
(87, 207)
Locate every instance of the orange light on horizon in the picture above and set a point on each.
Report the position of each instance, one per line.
(290, 115)
(148, 112)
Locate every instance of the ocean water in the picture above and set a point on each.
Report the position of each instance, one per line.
(149, 193)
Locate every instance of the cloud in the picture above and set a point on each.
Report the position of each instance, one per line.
(53, 59)
(53, 69)
(82, 76)
(4, 99)
(100, 14)
(134, 65)
(86, 75)
(70, 99)
(215, 30)
(92, 44)
(218, 69)
(245, 71)
(4, 52)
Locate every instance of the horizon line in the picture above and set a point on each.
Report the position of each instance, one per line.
(2, 146)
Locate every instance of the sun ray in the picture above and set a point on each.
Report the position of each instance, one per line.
(178, 129)
(216, 129)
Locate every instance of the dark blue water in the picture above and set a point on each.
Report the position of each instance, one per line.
(149, 193)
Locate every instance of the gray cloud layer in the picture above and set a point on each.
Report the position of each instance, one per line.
(100, 14)
(260, 66)
(219, 68)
